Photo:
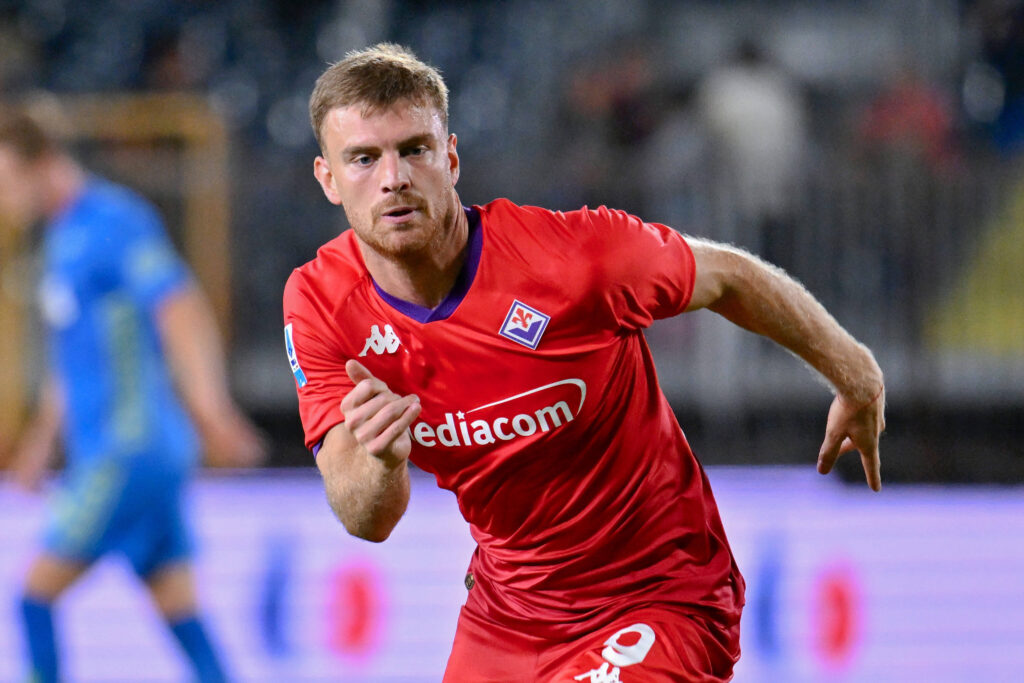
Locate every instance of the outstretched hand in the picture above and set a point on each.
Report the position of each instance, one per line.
(232, 440)
(850, 427)
(31, 461)
(378, 418)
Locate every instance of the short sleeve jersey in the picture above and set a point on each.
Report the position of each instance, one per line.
(541, 410)
(107, 267)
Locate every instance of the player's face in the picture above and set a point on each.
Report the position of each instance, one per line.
(18, 188)
(394, 172)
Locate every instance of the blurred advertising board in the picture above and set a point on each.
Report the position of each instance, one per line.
(915, 583)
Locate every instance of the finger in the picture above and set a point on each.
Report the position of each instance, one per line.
(828, 452)
(356, 416)
(365, 390)
(391, 434)
(377, 423)
(357, 372)
(872, 466)
(847, 446)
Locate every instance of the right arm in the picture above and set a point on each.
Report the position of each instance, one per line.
(364, 460)
(37, 447)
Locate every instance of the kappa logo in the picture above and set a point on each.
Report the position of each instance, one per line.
(381, 343)
(524, 324)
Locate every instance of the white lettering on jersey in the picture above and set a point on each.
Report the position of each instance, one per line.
(602, 675)
(381, 343)
(460, 430)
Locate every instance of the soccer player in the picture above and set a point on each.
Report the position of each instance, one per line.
(127, 324)
(500, 348)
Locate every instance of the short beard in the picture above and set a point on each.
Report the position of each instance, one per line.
(437, 237)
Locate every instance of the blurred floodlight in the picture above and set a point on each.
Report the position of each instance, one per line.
(288, 122)
(482, 103)
(984, 92)
(236, 99)
(339, 37)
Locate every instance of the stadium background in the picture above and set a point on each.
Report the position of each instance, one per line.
(897, 198)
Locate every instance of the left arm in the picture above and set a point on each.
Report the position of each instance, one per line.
(763, 299)
(192, 343)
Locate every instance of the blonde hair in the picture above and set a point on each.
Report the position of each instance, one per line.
(23, 133)
(376, 78)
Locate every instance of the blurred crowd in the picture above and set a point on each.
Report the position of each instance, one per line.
(883, 137)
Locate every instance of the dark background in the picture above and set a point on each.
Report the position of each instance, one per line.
(872, 149)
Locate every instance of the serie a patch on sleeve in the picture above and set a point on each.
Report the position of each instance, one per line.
(293, 359)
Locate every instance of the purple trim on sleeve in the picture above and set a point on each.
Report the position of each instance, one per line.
(316, 448)
(463, 282)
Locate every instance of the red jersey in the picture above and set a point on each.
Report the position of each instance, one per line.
(541, 410)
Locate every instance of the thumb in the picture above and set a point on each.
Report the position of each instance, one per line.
(357, 372)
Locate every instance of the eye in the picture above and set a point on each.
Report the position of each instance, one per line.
(363, 160)
(415, 151)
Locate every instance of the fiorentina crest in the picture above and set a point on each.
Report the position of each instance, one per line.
(524, 325)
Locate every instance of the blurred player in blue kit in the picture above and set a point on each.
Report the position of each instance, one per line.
(136, 369)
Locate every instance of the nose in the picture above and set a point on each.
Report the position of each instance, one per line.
(394, 173)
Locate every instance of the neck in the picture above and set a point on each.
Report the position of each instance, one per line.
(63, 182)
(424, 278)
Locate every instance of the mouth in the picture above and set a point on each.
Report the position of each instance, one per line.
(398, 214)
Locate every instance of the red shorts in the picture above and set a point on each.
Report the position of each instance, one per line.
(648, 645)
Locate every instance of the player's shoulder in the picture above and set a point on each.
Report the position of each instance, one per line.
(106, 199)
(336, 270)
(503, 213)
(103, 222)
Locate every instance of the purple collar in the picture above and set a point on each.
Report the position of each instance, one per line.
(463, 282)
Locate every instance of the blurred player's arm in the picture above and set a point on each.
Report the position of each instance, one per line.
(37, 447)
(194, 350)
(364, 460)
(763, 299)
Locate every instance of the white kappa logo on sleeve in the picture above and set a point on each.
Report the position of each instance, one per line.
(381, 343)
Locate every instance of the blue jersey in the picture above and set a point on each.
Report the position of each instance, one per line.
(108, 265)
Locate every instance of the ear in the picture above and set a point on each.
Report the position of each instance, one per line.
(453, 158)
(324, 175)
